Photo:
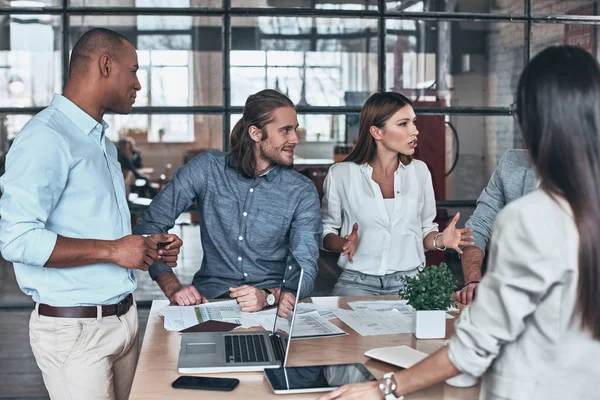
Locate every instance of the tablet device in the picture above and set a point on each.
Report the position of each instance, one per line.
(320, 378)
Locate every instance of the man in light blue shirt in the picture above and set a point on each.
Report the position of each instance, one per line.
(65, 225)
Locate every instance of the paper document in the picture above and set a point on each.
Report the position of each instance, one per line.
(307, 325)
(173, 318)
(177, 318)
(324, 311)
(376, 323)
(312, 325)
(226, 311)
(387, 305)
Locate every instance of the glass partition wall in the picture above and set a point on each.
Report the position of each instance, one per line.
(458, 60)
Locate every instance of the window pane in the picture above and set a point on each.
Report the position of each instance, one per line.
(180, 57)
(316, 61)
(557, 7)
(146, 3)
(460, 63)
(28, 3)
(30, 60)
(459, 6)
(182, 135)
(584, 36)
(311, 4)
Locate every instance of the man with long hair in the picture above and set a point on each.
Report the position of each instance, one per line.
(66, 227)
(257, 213)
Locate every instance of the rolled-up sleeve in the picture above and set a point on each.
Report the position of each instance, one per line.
(37, 169)
(331, 210)
(305, 231)
(175, 198)
(489, 204)
(521, 273)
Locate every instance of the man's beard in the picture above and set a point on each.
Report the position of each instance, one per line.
(273, 155)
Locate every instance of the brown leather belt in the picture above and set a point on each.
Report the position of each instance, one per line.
(87, 311)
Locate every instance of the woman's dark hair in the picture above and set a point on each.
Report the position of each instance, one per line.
(377, 110)
(258, 112)
(558, 109)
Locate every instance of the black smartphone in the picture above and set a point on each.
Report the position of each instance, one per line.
(205, 383)
(162, 244)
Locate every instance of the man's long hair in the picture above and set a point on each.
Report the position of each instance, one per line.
(258, 112)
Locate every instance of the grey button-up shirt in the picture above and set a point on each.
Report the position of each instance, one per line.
(252, 229)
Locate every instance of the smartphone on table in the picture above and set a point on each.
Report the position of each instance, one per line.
(205, 383)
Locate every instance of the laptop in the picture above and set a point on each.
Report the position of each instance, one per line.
(212, 352)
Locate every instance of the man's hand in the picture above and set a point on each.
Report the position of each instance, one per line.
(286, 304)
(168, 252)
(134, 252)
(187, 296)
(351, 243)
(467, 294)
(249, 298)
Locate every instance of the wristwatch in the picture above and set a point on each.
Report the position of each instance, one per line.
(270, 297)
(388, 385)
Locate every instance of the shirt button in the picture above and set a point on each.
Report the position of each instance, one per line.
(284, 281)
(245, 214)
(251, 190)
(245, 274)
(239, 258)
(241, 238)
(290, 267)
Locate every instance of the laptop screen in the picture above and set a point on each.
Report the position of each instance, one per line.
(291, 285)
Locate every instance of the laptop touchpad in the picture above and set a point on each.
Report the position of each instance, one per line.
(201, 348)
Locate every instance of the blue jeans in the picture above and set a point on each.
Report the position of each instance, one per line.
(354, 283)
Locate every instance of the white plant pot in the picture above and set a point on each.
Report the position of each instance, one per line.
(429, 324)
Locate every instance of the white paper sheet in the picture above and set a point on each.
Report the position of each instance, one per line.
(388, 305)
(177, 318)
(324, 311)
(376, 323)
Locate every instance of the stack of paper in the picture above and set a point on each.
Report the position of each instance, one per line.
(376, 323)
(388, 305)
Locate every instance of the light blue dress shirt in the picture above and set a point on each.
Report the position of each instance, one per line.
(63, 178)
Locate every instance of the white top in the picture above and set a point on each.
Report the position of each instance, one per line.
(386, 244)
(523, 330)
(389, 205)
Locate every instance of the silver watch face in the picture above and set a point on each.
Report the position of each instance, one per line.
(270, 299)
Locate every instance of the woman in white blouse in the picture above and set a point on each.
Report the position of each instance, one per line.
(534, 327)
(379, 206)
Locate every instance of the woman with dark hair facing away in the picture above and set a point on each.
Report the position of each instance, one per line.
(534, 327)
(381, 192)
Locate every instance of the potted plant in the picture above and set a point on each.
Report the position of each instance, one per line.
(429, 294)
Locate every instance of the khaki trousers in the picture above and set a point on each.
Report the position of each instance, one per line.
(86, 358)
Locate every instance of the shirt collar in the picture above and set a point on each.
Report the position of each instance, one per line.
(272, 173)
(80, 118)
(366, 167)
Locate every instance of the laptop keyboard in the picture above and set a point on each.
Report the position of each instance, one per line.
(251, 348)
(245, 348)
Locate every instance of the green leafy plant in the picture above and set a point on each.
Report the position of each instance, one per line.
(430, 289)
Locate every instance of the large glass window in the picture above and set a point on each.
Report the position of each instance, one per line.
(458, 60)
(30, 59)
(315, 61)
